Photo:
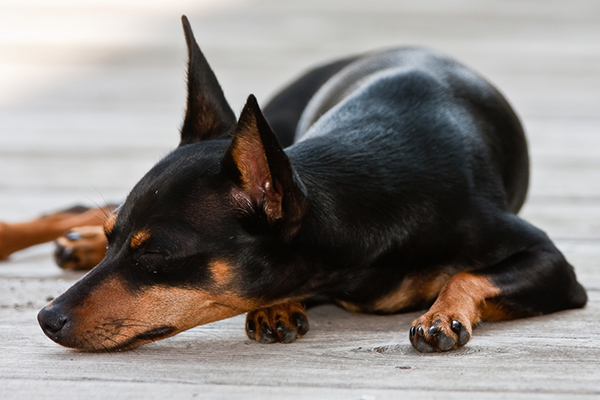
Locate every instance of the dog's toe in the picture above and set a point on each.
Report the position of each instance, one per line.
(418, 341)
(436, 332)
(80, 248)
(63, 255)
(463, 334)
(282, 323)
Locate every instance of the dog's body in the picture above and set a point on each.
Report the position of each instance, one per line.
(399, 192)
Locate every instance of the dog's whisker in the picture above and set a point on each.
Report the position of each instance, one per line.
(106, 205)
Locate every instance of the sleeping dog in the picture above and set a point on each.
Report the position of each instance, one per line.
(385, 182)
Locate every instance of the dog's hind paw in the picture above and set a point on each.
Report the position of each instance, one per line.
(437, 332)
(80, 248)
(280, 323)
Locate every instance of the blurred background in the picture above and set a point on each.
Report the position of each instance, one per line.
(92, 92)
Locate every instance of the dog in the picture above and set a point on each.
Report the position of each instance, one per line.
(393, 185)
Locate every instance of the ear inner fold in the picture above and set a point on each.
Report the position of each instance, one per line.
(250, 157)
(265, 177)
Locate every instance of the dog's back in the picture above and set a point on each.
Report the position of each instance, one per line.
(404, 99)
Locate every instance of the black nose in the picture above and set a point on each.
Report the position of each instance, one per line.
(52, 321)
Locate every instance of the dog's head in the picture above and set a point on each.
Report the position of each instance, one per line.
(199, 238)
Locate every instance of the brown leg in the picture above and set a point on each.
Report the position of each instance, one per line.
(461, 304)
(18, 236)
(537, 280)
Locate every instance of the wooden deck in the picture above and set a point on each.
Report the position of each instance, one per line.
(92, 93)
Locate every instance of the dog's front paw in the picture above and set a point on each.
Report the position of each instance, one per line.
(438, 332)
(280, 323)
(81, 248)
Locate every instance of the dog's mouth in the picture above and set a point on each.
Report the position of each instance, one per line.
(151, 335)
(108, 316)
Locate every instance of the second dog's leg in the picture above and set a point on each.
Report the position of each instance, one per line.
(18, 236)
(81, 248)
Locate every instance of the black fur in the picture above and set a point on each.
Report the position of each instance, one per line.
(405, 164)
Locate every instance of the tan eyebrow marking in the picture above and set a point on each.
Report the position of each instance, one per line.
(109, 224)
(139, 238)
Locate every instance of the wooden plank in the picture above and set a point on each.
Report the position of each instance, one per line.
(343, 351)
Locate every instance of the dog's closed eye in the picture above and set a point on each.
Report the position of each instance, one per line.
(151, 262)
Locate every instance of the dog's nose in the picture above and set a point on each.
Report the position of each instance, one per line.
(52, 321)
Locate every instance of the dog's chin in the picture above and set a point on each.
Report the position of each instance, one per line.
(138, 340)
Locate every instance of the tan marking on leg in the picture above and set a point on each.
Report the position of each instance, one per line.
(139, 238)
(412, 290)
(495, 312)
(465, 296)
(349, 306)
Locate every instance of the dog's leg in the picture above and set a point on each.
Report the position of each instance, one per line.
(280, 323)
(535, 281)
(461, 304)
(18, 236)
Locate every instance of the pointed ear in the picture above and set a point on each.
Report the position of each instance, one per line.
(266, 181)
(208, 114)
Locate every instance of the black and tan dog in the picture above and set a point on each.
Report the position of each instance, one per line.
(399, 192)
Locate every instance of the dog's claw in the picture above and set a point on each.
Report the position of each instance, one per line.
(456, 326)
(266, 334)
(282, 323)
(301, 322)
(250, 329)
(433, 330)
(461, 331)
(73, 236)
(417, 338)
